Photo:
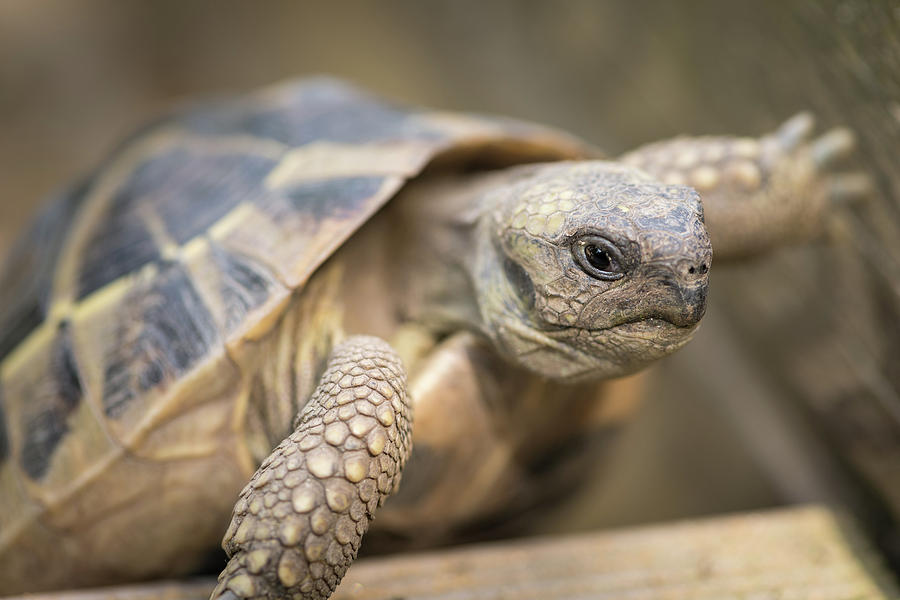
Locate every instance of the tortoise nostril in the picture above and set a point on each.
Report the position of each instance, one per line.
(702, 269)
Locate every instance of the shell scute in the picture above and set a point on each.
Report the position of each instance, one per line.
(332, 198)
(196, 188)
(171, 198)
(315, 110)
(244, 285)
(45, 422)
(165, 329)
(28, 271)
(121, 245)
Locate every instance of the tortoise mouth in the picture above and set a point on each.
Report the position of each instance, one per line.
(654, 323)
(575, 354)
(655, 332)
(630, 346)
(653, 320)
(645, 322)
(654, 329)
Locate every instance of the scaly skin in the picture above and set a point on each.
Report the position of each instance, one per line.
(760, 193)
(298, 524)
(549, 311)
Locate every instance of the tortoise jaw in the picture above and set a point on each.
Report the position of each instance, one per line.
(628, 347)
(658, 321)
(659, 332)
(574, 354)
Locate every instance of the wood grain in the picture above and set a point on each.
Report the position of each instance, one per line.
(802, 553)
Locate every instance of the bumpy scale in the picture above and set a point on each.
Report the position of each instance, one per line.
(298, 524)
(760, 193)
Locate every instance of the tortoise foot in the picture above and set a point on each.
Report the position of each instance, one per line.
(761, 193)
(298, 524)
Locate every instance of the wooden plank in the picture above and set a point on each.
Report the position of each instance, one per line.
(788, 554)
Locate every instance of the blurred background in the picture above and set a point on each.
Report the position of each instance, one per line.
(791, 391)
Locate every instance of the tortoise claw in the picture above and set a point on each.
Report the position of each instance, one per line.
(831, 147)
(795, 131)
(824, 153)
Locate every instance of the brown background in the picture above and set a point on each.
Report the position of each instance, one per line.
(789, 394)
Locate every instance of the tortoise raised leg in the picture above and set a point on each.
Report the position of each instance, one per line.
(759, 193)
(298, 524)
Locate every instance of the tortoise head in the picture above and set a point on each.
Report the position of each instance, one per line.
(591, 269)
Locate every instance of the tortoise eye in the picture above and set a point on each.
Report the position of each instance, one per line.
(599, 258)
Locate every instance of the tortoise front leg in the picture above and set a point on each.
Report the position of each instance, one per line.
(298, 524)
(759, 193)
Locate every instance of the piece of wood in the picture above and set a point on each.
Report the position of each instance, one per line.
(789, 554)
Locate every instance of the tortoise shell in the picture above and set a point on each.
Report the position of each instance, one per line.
(134, 287)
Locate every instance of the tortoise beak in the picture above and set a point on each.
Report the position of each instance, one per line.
(693, 305)
(673, 297)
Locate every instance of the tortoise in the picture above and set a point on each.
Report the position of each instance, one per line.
(286, 269)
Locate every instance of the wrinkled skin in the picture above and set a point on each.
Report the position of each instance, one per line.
(558, 315)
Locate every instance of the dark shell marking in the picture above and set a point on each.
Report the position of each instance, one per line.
(333, 198)
(166, 331)
(245, 284)
(28, 271)
(319, 110)
(188, 189)
(44, 424)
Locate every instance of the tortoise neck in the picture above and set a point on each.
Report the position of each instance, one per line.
(436, 226)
